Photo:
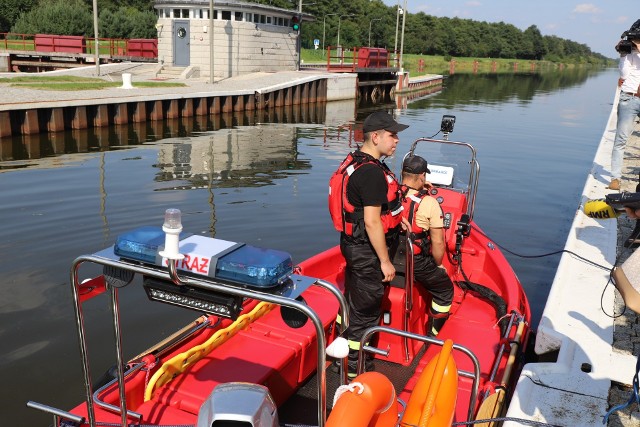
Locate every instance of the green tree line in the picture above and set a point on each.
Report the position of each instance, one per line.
(356, 22)
(116, 19)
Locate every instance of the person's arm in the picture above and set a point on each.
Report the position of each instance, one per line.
(375, 232)
(437, 244)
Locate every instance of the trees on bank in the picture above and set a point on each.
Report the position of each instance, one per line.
(359, 21)
(75, 18)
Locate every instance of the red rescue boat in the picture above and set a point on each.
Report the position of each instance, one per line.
(252, 358)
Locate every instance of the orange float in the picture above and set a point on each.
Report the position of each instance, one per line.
(433, 400)
(370, 401)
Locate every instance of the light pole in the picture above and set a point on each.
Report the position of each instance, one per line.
(339, 18)
(399, 12)
(323, 28)
(374, 19)
(404, 17)
(211, 63)
(95, 34)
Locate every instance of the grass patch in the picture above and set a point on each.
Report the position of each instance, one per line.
(419, 65)
(71, 83)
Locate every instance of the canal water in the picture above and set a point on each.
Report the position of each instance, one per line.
(261, 180)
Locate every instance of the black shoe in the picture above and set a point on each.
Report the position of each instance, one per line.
(353, 367)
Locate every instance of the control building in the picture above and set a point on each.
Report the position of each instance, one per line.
(247, 37)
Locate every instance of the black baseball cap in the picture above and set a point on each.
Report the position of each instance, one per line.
(415, 164)
(381, 120)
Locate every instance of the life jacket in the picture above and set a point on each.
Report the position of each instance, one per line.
(411, 203)
(344, 215)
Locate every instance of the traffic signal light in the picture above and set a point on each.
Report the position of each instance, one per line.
(295, 22)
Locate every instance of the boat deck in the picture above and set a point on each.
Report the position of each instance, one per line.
(593, 355)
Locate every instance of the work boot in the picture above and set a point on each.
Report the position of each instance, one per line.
(614, 185)
(352, 367)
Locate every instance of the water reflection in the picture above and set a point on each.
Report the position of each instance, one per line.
(230, 158)
(46, 145)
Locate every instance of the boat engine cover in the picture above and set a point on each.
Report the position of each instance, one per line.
(239, 404)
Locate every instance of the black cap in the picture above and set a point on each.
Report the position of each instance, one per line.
(381, 120)
(415, 164)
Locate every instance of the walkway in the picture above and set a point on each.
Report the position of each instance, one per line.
(13, 97)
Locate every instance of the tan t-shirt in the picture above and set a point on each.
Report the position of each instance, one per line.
(429, 214)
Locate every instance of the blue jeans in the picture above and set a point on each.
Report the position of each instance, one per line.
(628, 110)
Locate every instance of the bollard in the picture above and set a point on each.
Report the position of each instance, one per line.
(126, 81)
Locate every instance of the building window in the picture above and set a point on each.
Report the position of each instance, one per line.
(281, 21)
(256, 18)
(268, 20)
(238, 16)
(226, 15)
(181, 13)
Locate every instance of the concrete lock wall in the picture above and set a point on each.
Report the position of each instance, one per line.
(239, 47)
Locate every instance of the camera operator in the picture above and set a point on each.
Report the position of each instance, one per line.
(629, 102)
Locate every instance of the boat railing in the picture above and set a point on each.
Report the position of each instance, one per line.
(408, 290)
(474, 169)
(475, 375)
(285, 297)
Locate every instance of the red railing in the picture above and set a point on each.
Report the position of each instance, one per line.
(362, 57)
(146, 48)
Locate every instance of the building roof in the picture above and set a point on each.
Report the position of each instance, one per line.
(231, 4)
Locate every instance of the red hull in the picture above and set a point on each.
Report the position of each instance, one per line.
(266, 351)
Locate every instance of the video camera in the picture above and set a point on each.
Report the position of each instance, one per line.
(619, 201)
(625, 46)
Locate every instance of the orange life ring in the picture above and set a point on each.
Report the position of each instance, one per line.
(433, 399)
(370, 402)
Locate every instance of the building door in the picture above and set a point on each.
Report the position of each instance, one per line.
(181, 44)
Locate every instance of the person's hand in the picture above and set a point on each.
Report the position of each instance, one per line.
(632, 213)
(388, 271)
(620, 81)
(405, 224)
(427, 185)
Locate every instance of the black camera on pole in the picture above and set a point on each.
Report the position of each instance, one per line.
(625, 46)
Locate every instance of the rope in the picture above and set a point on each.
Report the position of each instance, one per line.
(351, 387)
(632, 398)
(503, 419)
(181, 362)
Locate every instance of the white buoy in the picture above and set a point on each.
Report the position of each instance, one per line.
(339, 348)
(126, 81)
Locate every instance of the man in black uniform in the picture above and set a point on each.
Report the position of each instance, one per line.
(373, 215)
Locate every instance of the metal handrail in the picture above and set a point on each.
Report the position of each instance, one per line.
(475, 375)
(106, 258)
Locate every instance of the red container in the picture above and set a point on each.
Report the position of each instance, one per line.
(146, 48)
(53, 43)
(373, 57)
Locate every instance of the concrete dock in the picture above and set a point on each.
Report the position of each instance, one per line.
(25, 111)
(587, 347)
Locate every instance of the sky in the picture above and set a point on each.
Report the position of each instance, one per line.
(597, 23)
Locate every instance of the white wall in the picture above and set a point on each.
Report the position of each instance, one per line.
(239, 47)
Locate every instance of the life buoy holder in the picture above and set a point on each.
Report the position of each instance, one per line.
(433, 399)
(368, 401)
